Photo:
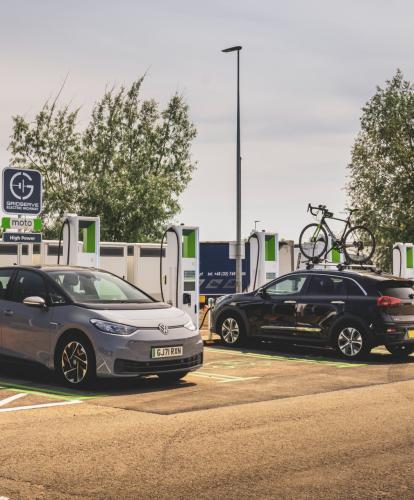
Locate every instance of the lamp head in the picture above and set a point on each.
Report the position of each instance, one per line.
(233, 49)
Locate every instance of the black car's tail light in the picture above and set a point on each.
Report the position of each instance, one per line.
(387, 301)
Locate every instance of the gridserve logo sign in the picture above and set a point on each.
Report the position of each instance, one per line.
(22, 191)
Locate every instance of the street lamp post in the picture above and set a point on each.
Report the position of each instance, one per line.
(238, 170)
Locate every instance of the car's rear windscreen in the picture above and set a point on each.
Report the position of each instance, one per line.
(400, 289)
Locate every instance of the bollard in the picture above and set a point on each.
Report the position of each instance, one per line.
(210, 304)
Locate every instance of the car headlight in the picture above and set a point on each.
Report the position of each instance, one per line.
(190, 325)
(113, 328)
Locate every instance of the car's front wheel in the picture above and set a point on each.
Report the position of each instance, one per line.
(75, 364)
(232, 330)
(351, 341)
(400, 351)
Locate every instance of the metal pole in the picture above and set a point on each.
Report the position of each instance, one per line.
(238, 175)
(239, 247)
(19, 248)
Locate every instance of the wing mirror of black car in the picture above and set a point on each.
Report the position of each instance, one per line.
(261, 292)
(35, 301)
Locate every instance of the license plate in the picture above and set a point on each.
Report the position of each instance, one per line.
(166, 352)
(411, 334)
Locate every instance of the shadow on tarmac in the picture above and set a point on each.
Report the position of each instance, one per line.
(31, 376)
(35, 377)
(378, 356)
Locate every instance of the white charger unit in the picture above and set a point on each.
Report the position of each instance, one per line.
(264, 258)
(403, 260)
(180, 276)
(81, 241)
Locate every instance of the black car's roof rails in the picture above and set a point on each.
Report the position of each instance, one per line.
(342, 266)
(363, 267)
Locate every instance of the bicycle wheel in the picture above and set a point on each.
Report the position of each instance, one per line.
(359, 245)
(313, 241)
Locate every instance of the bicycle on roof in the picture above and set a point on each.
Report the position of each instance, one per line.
(357, 243)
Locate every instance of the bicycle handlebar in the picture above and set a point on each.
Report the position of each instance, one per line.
(314, 210)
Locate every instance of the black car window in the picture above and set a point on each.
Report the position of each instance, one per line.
(353, 289)
(28, 284)
(288, 286)
(327, 285)
(399, 289)
(5, 275)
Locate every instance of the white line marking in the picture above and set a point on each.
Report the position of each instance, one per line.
(44, 405)
(238, 380)
(222, 378)
(10, 399)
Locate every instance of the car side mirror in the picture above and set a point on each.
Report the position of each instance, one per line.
(261, 292)
(34, 301)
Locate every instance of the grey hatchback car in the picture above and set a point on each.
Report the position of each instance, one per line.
(83, 323)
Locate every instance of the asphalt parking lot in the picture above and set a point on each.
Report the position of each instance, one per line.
(227, 429)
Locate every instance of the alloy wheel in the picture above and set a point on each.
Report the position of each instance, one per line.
(74, 362)
(350, 342)
(230, 331)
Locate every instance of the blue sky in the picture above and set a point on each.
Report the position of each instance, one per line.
(307, 68)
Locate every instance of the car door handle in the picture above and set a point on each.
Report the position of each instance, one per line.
(337, 302)
(289, 301)
(8, 312)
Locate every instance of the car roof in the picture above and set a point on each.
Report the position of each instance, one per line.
(375, 275)
(54, 268)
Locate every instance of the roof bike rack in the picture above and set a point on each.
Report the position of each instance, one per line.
(310, 264)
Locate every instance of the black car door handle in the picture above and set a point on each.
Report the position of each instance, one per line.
(289, 301)
(8, 312)
(337, 302)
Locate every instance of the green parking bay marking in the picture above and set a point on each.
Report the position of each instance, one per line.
(46, 391)
(287, 357)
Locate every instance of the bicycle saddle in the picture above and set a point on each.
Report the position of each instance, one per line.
(351, 210)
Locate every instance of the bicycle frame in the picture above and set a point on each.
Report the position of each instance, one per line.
(336, 243)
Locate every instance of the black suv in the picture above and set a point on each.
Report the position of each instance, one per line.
(351, 311)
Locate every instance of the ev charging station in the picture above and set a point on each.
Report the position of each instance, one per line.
(333, 257)
(264, 258)
(403, 260)
(85, 230)
(179, 273)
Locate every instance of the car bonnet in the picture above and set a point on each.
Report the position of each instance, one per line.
(145, 318)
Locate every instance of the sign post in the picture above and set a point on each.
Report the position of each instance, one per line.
(21, 196)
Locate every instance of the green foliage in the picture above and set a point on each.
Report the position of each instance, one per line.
(381, 180)
(128, 166)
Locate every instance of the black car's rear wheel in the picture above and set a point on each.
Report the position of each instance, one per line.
(400, 351)
(351, 341)
(75, 364)
(231, 330)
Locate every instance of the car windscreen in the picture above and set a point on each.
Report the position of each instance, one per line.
(400, 289)
(97, 287)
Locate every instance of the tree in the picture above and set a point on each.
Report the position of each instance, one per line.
(381, 180)
(128, 166)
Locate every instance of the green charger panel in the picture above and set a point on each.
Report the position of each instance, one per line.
(88, 236)
(189, 243)
(409, 257)
(336, 256)
(270, 248)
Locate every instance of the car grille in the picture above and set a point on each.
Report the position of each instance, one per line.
(159, 365)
